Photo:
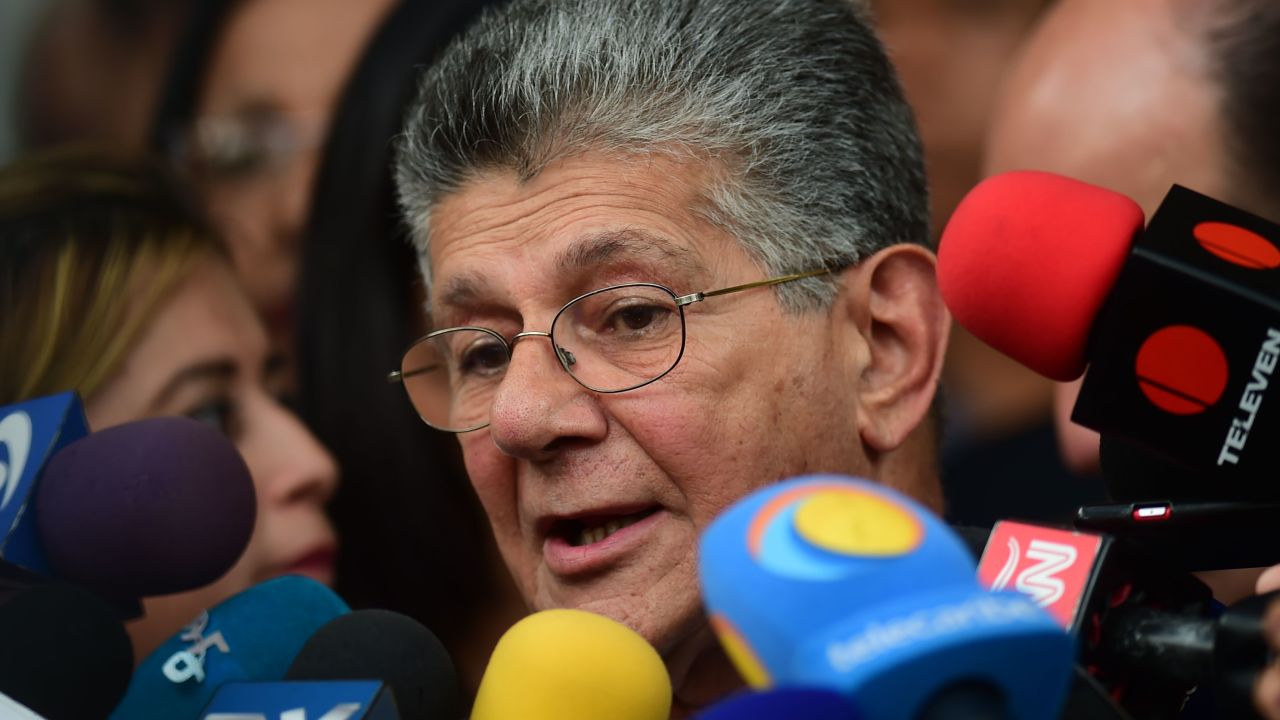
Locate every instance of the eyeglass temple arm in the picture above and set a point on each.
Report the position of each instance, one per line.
(396, 376)
(695, 297)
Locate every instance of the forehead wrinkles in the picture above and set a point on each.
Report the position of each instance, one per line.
(496, 214)
(496, 198)
(493, 201)
(595, 250)
(494, 208)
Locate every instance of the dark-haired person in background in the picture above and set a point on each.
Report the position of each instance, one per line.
(93, 71)
(652, 151)
(260, 82)
(292, 138)
(416, 540)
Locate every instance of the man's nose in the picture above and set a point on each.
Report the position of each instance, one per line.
(538, 408)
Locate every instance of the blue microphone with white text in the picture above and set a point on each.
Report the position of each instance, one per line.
(315, 700)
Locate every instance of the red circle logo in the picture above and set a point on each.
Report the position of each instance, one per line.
(1237, 245)
(1181, 369)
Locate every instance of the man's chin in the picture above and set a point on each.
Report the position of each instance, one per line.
(666, 632)
(700, 672)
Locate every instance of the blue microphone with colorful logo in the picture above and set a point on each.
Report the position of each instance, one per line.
(831, 582)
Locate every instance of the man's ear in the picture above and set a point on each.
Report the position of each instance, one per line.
(892, 301)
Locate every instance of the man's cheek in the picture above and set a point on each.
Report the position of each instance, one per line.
(480, 456)
(674, 424)
(492, 476)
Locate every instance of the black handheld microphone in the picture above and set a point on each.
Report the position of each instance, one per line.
(385, 646)
(1168, 510)
(1225, 653)
(1145, 629)
(64, 653)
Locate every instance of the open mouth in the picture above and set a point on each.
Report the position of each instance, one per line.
(591, 529)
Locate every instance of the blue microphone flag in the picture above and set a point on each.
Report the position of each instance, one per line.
(30, 433)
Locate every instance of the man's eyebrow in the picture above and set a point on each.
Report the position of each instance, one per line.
(216, 370)
(463, 290)
(596, 250)
(470, 289)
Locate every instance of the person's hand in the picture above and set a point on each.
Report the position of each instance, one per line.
(1269, 580)
(1266, 690)
(1077, 444)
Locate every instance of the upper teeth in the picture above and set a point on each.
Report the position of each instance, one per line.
(591, 535)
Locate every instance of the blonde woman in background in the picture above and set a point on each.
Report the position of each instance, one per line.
(113, 286)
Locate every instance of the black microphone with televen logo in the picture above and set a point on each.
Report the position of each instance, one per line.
(1174, 322)
(1179, 324)
(1145, 629)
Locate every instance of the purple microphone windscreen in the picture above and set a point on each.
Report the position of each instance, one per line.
(64, 654)
(387, 646)
(150, 507)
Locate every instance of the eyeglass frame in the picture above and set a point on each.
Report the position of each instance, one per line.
(280, 141)
(681, 301)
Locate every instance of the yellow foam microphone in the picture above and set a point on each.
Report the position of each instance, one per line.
(573, 665)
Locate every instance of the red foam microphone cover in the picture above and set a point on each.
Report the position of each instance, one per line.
(1027, 260)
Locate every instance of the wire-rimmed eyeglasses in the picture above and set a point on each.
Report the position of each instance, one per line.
(610, 340)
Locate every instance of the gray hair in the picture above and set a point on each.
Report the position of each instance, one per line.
(795, 100)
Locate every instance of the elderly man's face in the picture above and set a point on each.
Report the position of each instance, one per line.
(759, 395)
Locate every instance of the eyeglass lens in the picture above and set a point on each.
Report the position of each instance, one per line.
(610, 340)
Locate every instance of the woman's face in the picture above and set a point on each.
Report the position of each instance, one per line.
(205, 355)
(273, 81)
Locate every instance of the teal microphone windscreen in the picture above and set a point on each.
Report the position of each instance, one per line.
(253, 636)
